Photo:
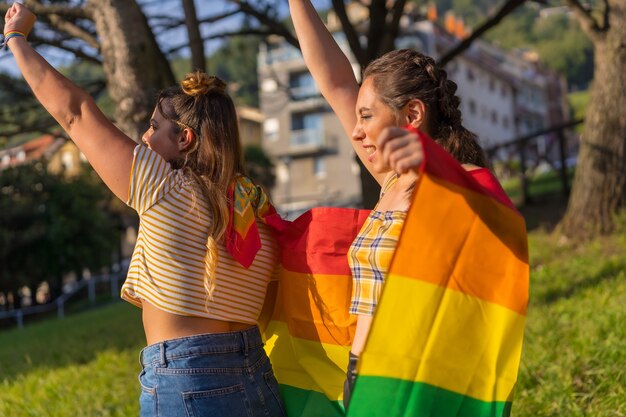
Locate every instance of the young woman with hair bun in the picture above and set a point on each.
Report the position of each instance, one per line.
(204, 254)
(403, 88)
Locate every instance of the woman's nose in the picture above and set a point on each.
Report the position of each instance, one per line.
(357, 133)
(145, 136)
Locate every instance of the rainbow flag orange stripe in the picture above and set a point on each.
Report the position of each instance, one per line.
(447, 335)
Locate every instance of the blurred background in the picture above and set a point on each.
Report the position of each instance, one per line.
(542, 83)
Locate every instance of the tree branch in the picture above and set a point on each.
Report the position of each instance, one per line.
(607, 14)
(247, 32)
(196, 44)
(174, 23)
(393, 27)
(273, 25)
(587, 22)
(351, 34)
(378, 19)
(73, 30)
(58, 43)
(59, 23)
(61, 10)
(492, 21)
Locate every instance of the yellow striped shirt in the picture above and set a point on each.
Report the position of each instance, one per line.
(167, 266)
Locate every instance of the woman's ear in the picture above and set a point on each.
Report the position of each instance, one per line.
(186, 139)
(415, 111)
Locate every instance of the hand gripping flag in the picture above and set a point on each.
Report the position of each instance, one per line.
(447, 334)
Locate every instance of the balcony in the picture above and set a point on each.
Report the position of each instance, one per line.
(281, 54)
(304, 92)
(311, 142)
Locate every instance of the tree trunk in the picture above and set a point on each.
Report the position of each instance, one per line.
(134, 66)
(198, 60)
(599, 189)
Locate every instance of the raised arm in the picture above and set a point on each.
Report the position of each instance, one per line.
(330, 69)
(107, 149)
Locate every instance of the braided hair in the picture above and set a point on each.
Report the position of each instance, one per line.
(403, 75)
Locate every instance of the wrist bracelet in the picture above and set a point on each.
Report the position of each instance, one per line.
(9, 35)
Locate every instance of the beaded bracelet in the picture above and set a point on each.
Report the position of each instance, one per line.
(9, 35)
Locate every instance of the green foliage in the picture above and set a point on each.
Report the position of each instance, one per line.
(51, 225)
(541, 185)
(21, 115)
(578, 107)
(259, 166)
(236, 63)
(578, 104)
(473, 11)
(558, 40)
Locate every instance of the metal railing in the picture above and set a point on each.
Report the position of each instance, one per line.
(530, 155)
(59, 304)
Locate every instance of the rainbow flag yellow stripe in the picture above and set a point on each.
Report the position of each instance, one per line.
(447, 335)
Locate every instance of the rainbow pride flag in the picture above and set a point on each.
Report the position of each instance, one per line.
(447, 335)
(446, 339)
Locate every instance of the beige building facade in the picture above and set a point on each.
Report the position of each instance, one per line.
(314, 159)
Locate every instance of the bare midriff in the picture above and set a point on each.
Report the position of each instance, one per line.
(160, 325)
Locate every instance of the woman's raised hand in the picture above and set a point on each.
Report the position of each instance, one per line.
(400, 150)
(19, 18)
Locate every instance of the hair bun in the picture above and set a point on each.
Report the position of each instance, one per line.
(199, 83)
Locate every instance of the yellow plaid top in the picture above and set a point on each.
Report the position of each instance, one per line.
(370, 255)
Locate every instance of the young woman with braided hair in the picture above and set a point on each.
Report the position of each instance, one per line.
(199, 279)
(401, 88)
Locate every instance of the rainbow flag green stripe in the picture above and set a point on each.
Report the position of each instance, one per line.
(424, 400)
(307, 403)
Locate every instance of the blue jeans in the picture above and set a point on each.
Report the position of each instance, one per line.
(223, 374)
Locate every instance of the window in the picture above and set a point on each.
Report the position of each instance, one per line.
(494, 117)
(306, 129)
(269, 85)
(271, 128)
(282, 172)
(470, 74)
(302, 86)
(472, 107)
(319, 167)
(67, 160)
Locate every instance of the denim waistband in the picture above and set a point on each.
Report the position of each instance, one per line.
(243, 341)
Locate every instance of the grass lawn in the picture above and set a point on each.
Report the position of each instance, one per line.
(83, 365)
(573, 364)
